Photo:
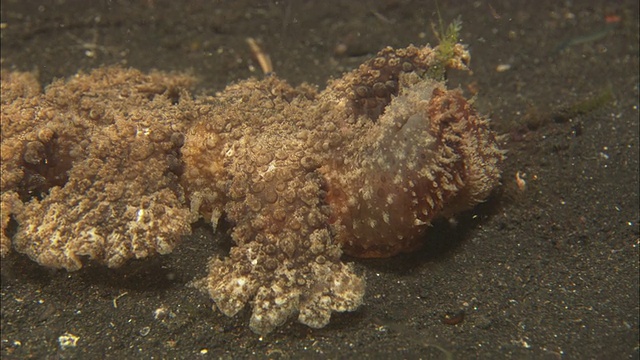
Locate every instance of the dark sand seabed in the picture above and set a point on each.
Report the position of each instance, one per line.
(548, 272)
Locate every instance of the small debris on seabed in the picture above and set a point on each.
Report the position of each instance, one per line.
(503, 67)
(522, 184)
(453, 318)
(260, 55)
(68, 340)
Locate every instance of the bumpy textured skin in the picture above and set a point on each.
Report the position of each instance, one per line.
(261, 150)
(364, 166)
(90, 167)
(17, 89)
(116, 164)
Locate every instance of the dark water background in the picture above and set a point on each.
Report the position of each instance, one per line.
(545, 273)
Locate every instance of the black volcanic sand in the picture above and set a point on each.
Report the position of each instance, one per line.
(548, 272)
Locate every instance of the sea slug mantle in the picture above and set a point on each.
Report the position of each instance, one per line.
(115, 164)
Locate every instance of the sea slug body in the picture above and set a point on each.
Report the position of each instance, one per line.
(362, 167)
(114, 165)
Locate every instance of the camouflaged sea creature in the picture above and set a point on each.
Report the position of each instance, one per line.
(115, 164)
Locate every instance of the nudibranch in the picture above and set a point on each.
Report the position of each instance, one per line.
(361, 167)
(115, 164)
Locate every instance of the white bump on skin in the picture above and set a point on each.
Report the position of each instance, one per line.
(390, 198)
(385, 217)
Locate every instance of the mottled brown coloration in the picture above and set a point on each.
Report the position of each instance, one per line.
(366, 164)
(10, 204)
(260, 150)
(91, 160)
(421, 164)
(110, 168)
